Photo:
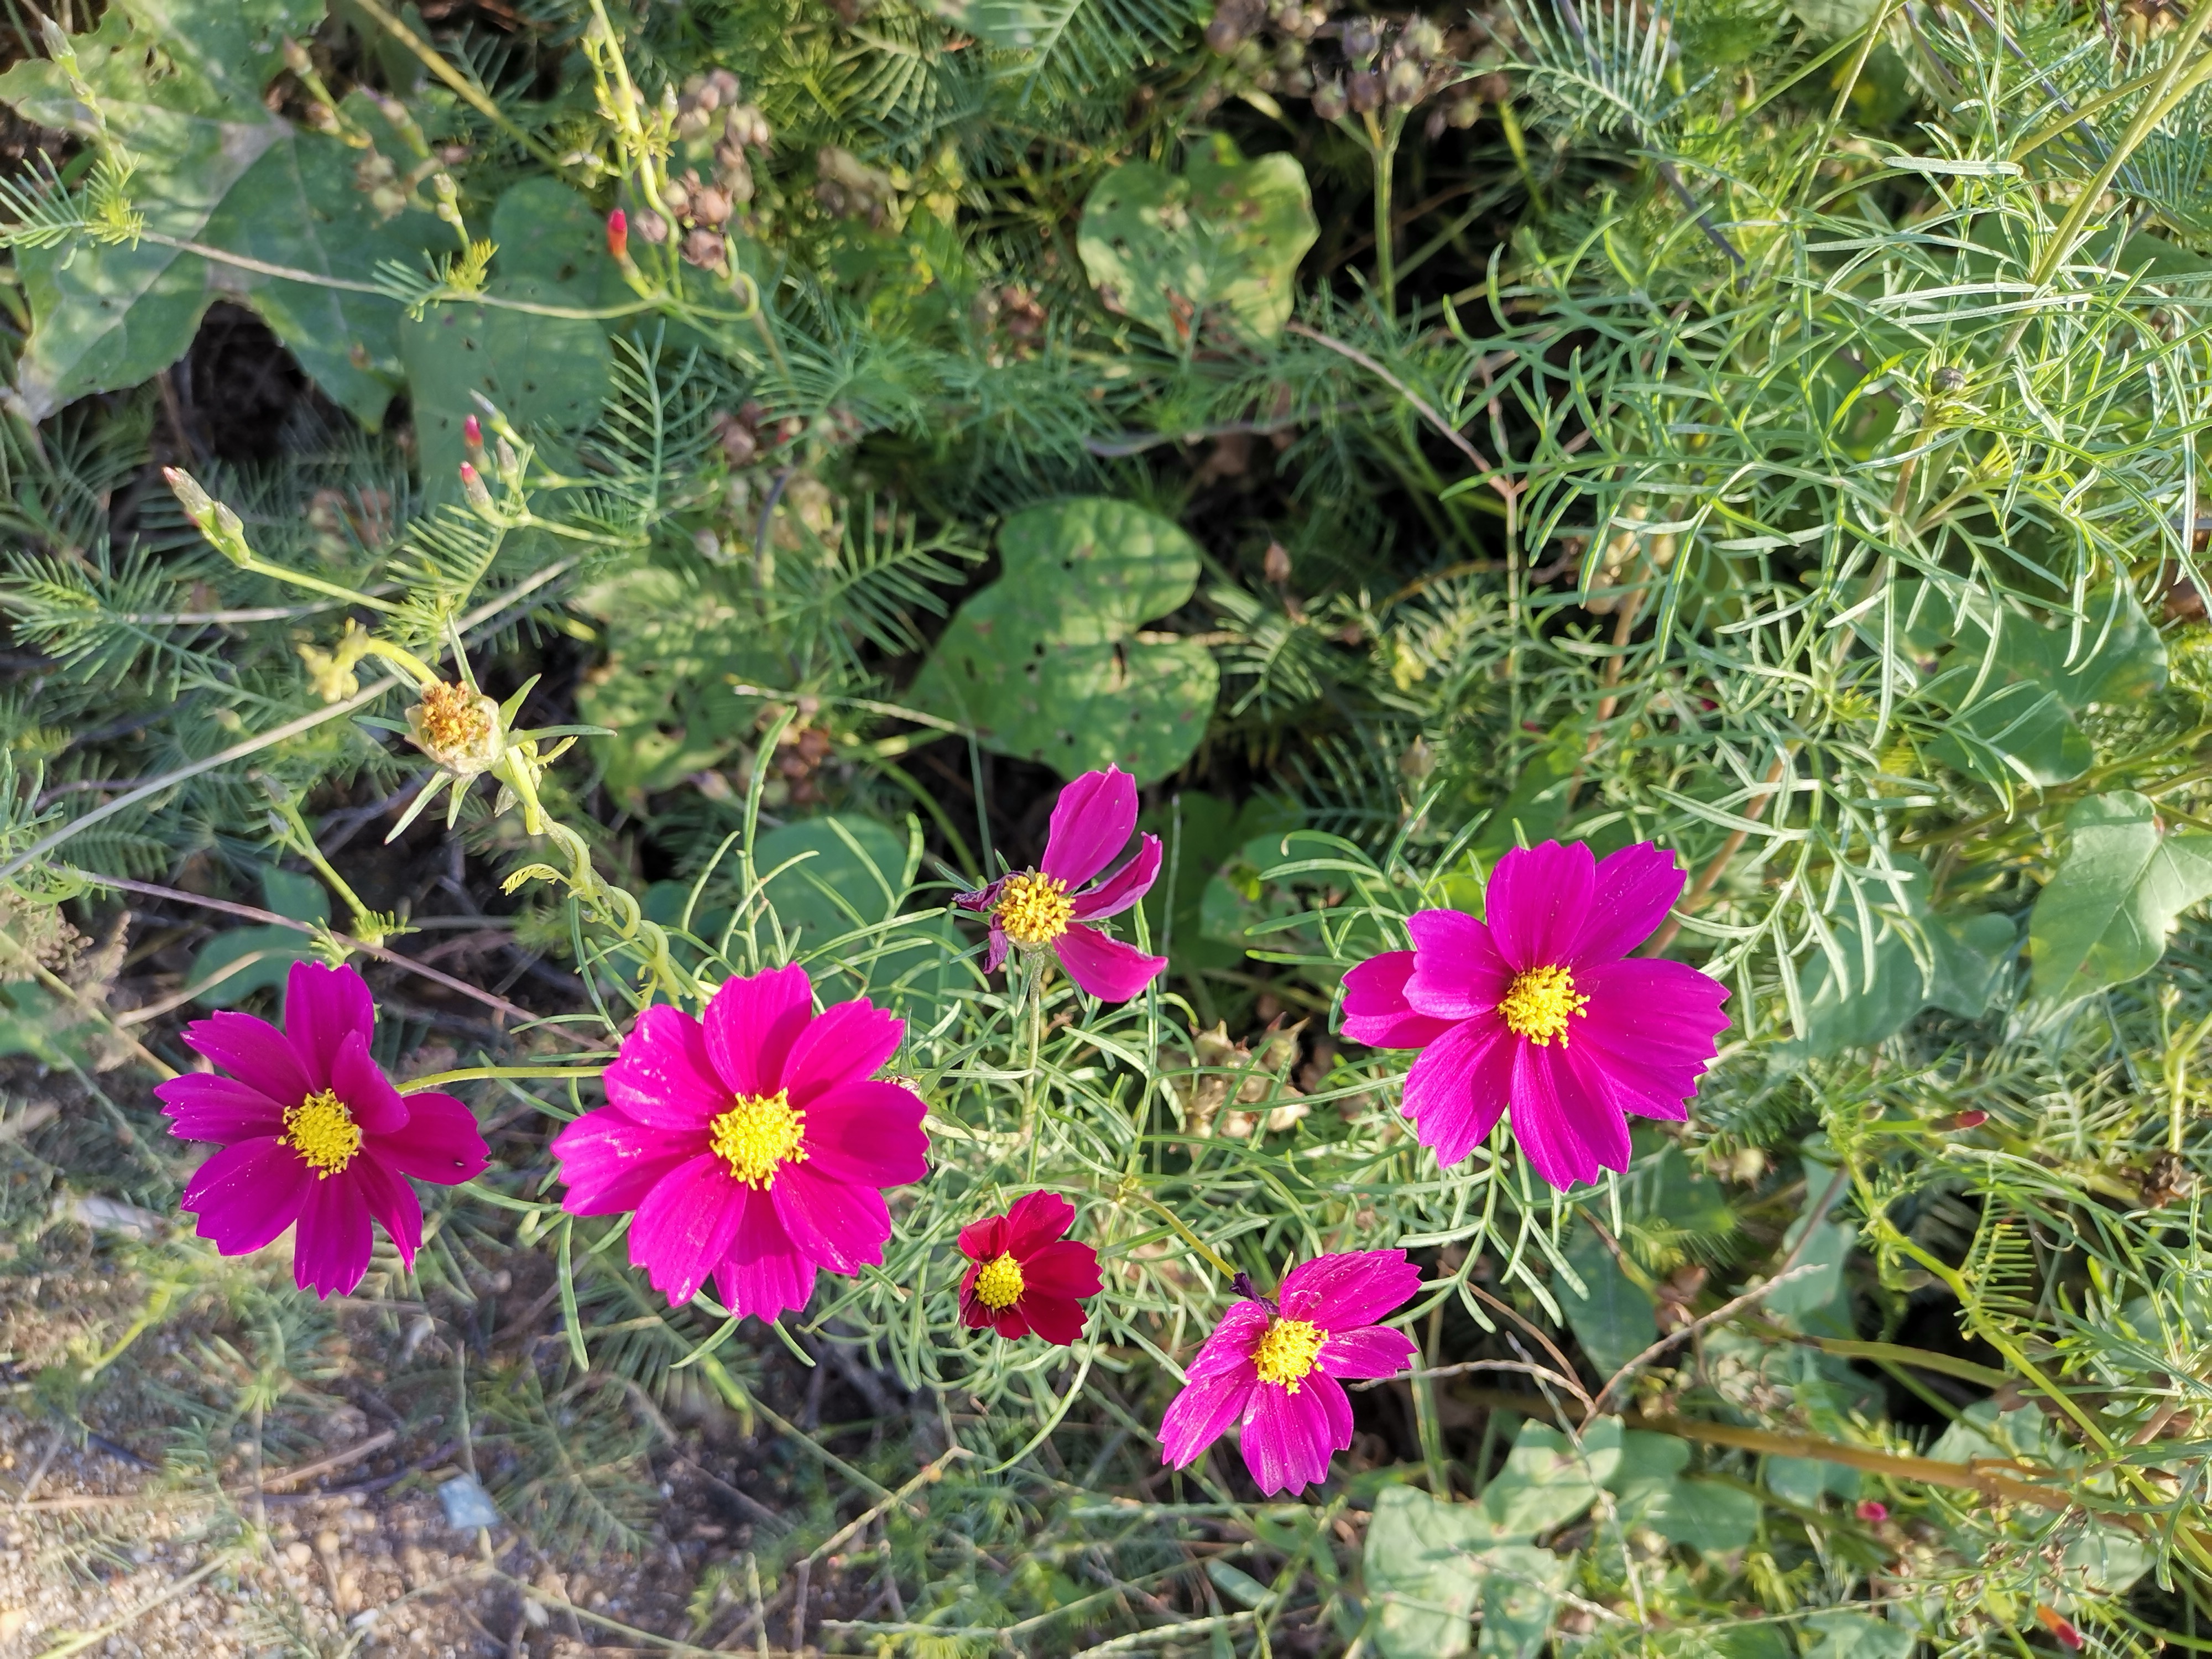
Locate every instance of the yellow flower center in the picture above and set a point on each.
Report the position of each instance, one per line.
(1288, 1350)
(1035, 910)
(322, 1131)
(457, 727)
(757, 1136)
(1000, 1284)
(1539, 1003)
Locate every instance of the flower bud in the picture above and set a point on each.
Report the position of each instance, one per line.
(1947, 380)
(1276, 563)
(1403, 83)
(652, 227)
(618, 235)
(457, 726)
(224, 530)
(472, 437)
(1361, 38)
(1328, 100)
(676, 199)
(703, 248)
(710, 207)
(1226, 33)
(1421, 39)
(296, 57)
(473, 486)
(1463, 111)
(1365, 91)
(1872, 1512)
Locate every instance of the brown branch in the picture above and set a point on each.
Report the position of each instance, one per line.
(250, 913)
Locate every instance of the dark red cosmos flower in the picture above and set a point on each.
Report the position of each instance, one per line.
(1025, 1274)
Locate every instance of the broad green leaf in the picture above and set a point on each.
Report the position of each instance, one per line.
(1419, 1575)
(1615, 1321)
(1841, 1635)
(1650, 1490)
(1520, 1592)
(548, 373)
(1819, 1302)
(675, 641)
(1920, 959)
(1223, 240)
(2040, 676)
(215, 168)
(2103, 919)
(232, 965)
(833, 875)
(1547, 1481)
(545, 231)
(1043, 663)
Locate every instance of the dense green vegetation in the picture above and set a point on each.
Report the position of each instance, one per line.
(1768, 430)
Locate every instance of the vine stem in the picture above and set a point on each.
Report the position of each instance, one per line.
(470, 94)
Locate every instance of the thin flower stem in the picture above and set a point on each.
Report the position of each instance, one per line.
(414, 1085)
(1228, 1268)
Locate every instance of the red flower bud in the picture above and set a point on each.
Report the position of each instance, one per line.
(1872, 1512)
(473, 486)
(472, 435)
(2060, 1626)
(1972, 1118)
(618, 233)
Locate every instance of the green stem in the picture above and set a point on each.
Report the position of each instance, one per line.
(470, 94)
(470, 1073)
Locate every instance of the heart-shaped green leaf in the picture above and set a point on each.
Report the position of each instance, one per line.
(216, 167)
(1046, 664)
(1224, 239)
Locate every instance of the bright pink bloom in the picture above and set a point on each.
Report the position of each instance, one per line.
(1873, 1512)
(1541, 1008)
(313, 1133)
(1273, 1367)
(754, 1148)
(1024, 1273)
(1039, 909)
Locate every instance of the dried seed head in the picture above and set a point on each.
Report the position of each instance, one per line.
(457, 727)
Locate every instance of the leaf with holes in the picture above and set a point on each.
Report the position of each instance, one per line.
(214, 168)
(1047, 663)
(1221, 241)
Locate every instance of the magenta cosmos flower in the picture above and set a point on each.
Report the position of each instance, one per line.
(753, 1146)
(313, 1133)
(1024, 1273)
(1272, 1366)
(1540, 1011)
(1040, 911)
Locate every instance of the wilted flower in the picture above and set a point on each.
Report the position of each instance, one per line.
(458, 727)
(1025, 1274)
(1541, 1009)
(1037, 910)
(753, 1148)
(1272, 1366)
(313, 1133)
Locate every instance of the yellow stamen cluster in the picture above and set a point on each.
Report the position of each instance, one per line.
(1035, 910)
(757, 1136)
(1539, 1004)
(322, 1131)
(457, 726)
(1000, 1284)
(1288, 1350)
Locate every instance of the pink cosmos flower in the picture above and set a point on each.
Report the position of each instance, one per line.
(753, 1147)
(313, 1133)
(1025, 1274)
(1272, 1366)
(1039, 909)
(1541, 1008)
